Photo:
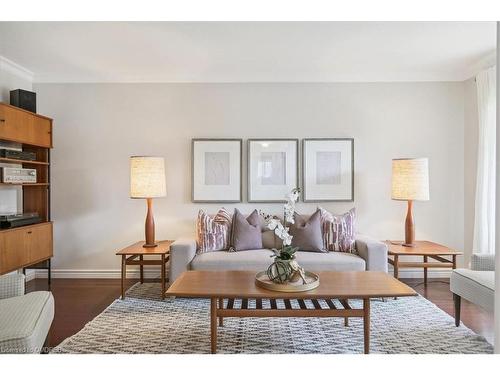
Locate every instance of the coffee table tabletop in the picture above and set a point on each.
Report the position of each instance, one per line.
(237, 284)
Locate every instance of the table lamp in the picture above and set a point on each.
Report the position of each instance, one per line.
(147, 181)
(410, 182)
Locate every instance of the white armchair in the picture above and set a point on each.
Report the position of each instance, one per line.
(476, 285)
(25, 319)
(11, 286)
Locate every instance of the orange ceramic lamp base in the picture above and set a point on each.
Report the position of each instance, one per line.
(150, 225)
(409, 227)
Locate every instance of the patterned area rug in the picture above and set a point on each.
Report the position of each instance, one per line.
(142, 323)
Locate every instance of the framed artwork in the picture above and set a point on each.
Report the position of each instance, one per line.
(272, 169)
(328, 169)
(216, 166)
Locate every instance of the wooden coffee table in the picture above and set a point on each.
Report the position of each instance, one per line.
(425, 249)
(135, 255)
(224, 288)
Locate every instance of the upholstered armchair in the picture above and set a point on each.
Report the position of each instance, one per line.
(25, 319)
(476, 285)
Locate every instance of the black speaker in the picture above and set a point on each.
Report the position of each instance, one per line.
(23, 99)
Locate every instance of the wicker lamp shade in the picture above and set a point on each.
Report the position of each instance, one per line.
(147, 177)
(410, 179)
(147, 180)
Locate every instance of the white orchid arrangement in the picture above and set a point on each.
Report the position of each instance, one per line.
(285, 267)
(282, 231)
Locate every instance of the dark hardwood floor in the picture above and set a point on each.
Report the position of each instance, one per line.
(80, 300)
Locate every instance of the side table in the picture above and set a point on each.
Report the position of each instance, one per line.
(426, 249)
(131, 253)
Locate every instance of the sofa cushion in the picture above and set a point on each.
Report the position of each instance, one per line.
(475, 286)
(259, 260)
(25, 322)
(330, 261)
(255, 260)
(246, 232)
(306, 232)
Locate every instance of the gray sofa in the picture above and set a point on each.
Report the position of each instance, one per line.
(371, 255)
(476, 285)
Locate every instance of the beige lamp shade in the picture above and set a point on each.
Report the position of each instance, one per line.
(410, 179)
(147, 177)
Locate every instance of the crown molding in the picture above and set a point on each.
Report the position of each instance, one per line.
(486, 62)
(16, 69)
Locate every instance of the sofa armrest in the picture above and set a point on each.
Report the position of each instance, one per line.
(482, 262)
(182, 252)
(12, 285)
(373, 251)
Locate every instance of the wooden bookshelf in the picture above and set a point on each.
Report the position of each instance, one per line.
(31, 245)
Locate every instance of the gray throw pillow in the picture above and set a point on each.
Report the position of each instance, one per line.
(246, 233)
(307, 233)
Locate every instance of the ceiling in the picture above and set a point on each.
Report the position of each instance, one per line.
(249, 51)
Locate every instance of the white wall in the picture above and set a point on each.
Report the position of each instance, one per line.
(98, 126)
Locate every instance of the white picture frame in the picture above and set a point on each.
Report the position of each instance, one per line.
(272, 169)
(328, 169)
(216, 170)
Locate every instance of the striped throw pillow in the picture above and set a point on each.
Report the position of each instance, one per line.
(338, 231)
(214, 233)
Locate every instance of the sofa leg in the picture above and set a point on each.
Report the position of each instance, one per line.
(457, 300)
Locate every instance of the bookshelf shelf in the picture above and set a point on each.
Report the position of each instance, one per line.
(17, 161)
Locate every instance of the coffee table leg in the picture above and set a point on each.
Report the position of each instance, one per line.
(163, 276)
(213, 325)
(221, 306)
(124, 274)
(366, 324)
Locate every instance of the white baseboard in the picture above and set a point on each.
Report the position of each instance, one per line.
(97, 274)
(31, 275)
(150, 274)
